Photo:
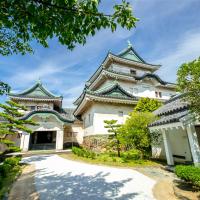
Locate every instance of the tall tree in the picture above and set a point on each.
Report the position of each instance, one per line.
(4, 88)
(146, 104)
(188, 80)
(134, 133)
(70, 21)
(11, 123)
(113, 127)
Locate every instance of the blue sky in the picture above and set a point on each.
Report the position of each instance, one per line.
(168, 33)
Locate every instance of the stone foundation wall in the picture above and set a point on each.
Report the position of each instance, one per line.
(97, 143)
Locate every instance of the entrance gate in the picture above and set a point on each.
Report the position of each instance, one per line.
(42, 140)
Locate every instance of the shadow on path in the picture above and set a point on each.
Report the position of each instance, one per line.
(80, 187)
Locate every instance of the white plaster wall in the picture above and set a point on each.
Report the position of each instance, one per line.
(88, 127)
(103, 111)
(158, 150)
(126, 69)
(179, 144)
(141, 89)
(79, 132)
(46, 123)
(28, 103)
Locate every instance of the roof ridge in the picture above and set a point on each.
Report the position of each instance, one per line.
(130, 48)
(31, 89)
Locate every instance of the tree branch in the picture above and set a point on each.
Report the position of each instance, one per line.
(73, 9)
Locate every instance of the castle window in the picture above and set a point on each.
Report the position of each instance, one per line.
(135, 90)
(133, 72)
(120, 113)
(131, 90)
(158, 94)
(39, 107)
(32, 107)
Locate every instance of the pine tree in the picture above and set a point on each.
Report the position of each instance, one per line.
(112, 127)
(4, 88)
(12, 123)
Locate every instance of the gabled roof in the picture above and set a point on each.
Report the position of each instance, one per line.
(154, 76)
(36, 91)
(114, 90)
(112, 94)
(172, 111)
(129, 57)
(61, 116)
(131, 54)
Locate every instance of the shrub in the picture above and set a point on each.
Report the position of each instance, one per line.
(190, 174)
(83, 152)
(10, 165)
(132, 154)
(13, 161)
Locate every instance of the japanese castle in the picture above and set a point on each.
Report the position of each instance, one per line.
(110, 93)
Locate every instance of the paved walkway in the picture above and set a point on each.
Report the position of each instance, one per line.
(61, 179)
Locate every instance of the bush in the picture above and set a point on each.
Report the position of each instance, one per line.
(133, 154)
(10, 165)
(83, 152)
(13, 161)
(190, 174)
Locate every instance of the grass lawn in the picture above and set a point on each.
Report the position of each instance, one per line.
(112, 161)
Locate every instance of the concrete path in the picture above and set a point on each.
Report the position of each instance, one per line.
(61, 179)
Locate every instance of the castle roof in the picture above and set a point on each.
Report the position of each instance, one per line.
(127, 57)
(36, 92)
(113, 93)
(172, 111)
(131, 54)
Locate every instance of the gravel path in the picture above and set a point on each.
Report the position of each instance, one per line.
(61, 179)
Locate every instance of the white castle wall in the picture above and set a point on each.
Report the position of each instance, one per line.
(126, 69)
(141, 89)
(104, 111)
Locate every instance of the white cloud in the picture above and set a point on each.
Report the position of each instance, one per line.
(185, 49)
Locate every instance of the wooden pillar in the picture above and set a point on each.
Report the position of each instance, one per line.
(194, 146)
(168, 150)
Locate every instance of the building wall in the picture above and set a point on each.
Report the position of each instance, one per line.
(28, 104)
(179, 143)
(141, 89)
(74, 133)
(104, 111)
(178, 140)
(126, 69)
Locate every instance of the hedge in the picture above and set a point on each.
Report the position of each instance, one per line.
(9, 170)
(83, 152)
(190, 174)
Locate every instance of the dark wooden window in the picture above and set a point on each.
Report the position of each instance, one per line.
(133, 71)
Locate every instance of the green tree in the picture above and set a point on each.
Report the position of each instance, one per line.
(146, 104)
(11, 123)
(70, 21)
(135, 133)
(188, 80)
(4, 88)
(113, 127)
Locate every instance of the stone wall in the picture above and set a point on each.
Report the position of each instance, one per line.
(97, 143)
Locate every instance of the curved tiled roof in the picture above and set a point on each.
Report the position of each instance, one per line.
(154, 76)
(30, 93)
(174, 104)
(172, 111)
(61, 116)
(130, 51)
